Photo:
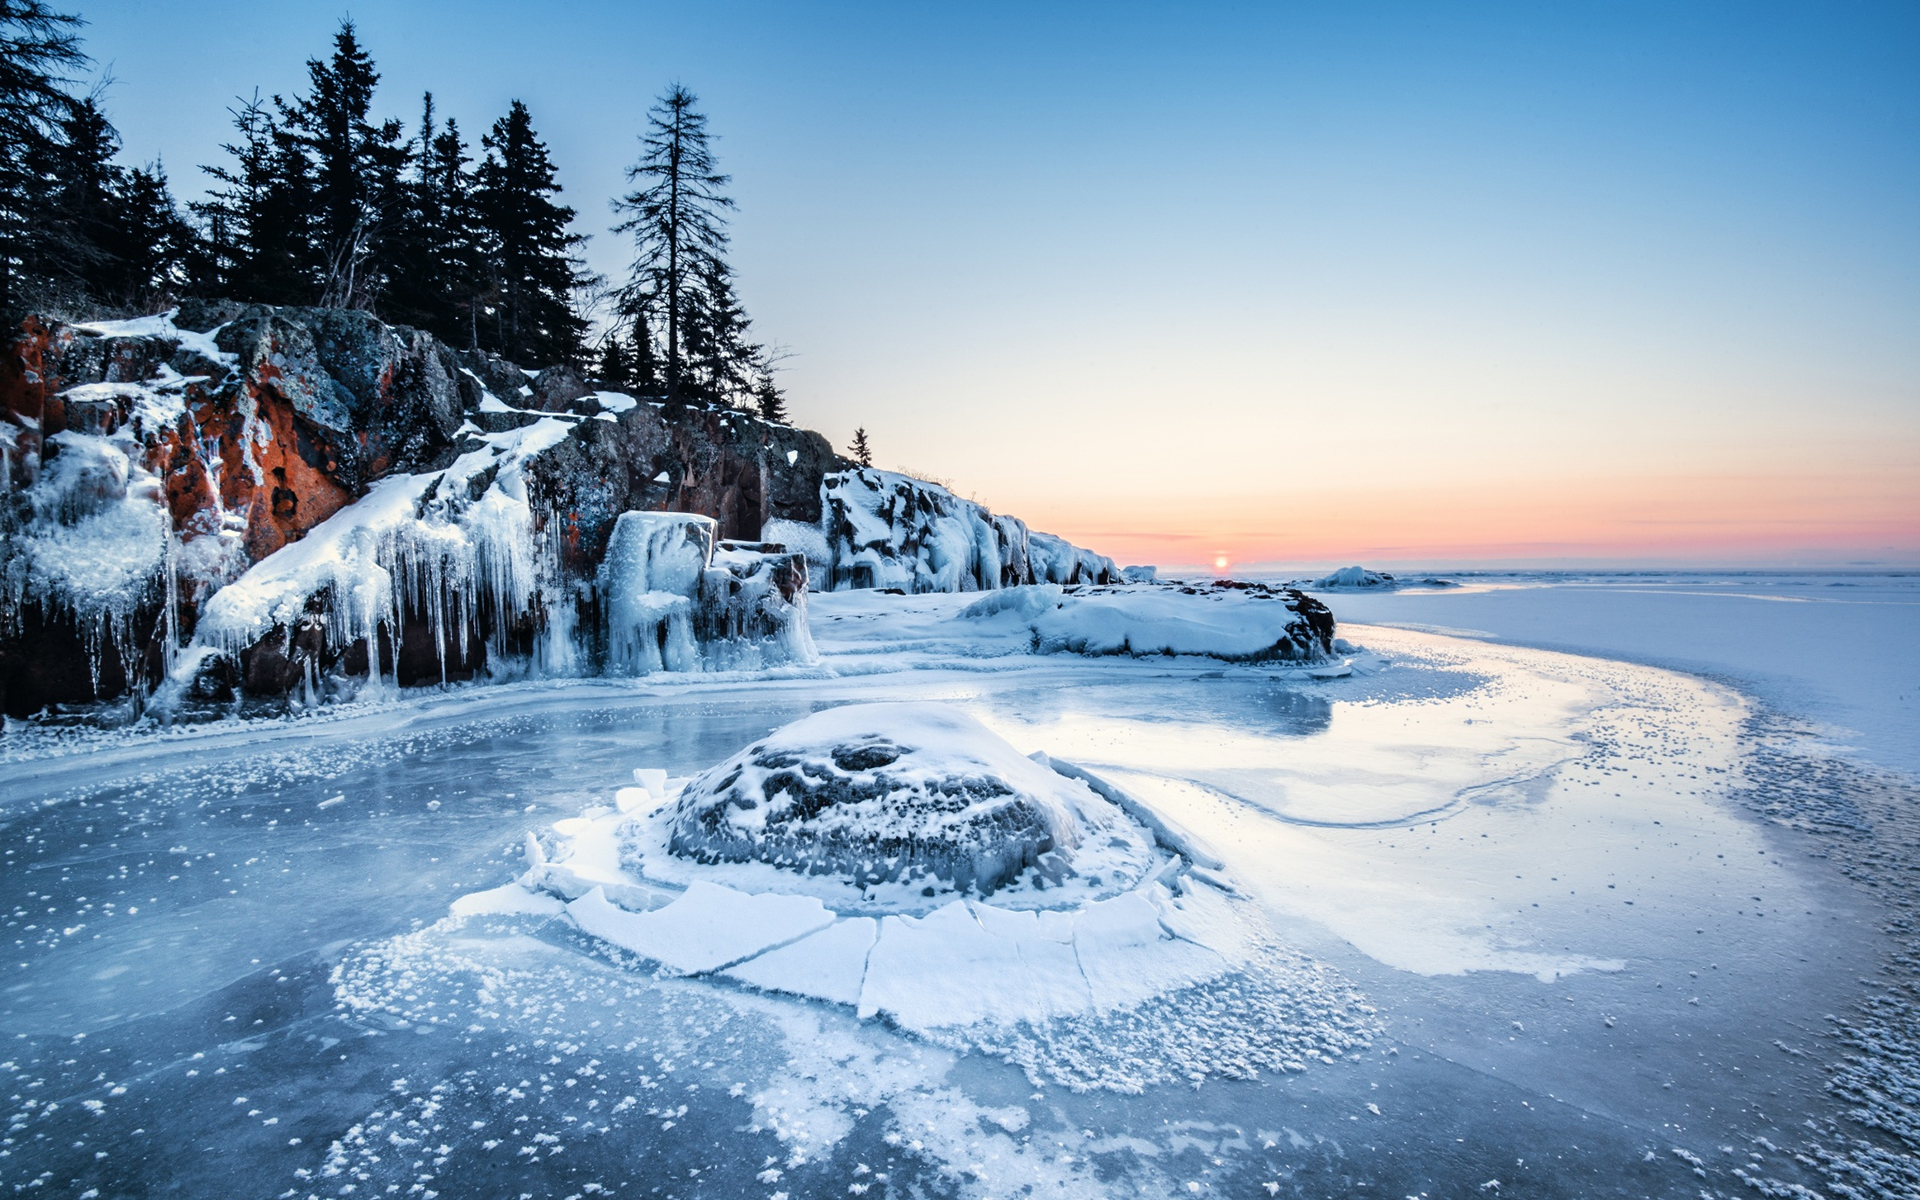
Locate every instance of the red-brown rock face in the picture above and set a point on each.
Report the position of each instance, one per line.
(252, 425)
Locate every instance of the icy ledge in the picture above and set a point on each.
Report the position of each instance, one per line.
(1124, 910)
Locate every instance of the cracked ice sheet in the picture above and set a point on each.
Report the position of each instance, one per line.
(1552, 819)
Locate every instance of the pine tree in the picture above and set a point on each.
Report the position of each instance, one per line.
(150, 243)
(615, 370)
(438, 275)
(106, 234)
(720, 359)
(677, 218)
(532, 318)
(356, 172)
(39, 53)
(74, 225)
(259, 223)
(768, 400)
(862, 453)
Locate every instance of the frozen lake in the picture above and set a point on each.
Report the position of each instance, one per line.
(1578, 926)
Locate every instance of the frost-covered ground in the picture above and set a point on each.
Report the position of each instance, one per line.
(1532, 932)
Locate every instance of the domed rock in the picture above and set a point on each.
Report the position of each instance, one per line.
(888, 793)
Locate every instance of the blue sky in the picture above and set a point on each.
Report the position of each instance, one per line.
(1282, 282)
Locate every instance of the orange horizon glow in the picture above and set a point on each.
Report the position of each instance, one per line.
(1751, 520)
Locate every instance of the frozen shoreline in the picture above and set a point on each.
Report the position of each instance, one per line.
(1351, 810)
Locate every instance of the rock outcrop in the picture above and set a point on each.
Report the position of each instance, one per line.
(886, 530)
(240, 500)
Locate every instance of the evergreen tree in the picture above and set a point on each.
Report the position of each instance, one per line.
(677, 218)
(862, 453)
(720, 361)
(439, 275)
(150, 243)
(615, 369)
(535, 270)
(258, 223)
(39, 52)
(356, 168)
(106, 234)
(768, 400)
(74, 222)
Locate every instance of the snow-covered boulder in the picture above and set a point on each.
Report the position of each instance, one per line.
(1353, 579)
(811, 863)
(1139, 574)
(1056, 560)
(1237, 622)
(886, 530)
(889, 793)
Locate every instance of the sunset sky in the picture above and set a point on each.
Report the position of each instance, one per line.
(1277, 283)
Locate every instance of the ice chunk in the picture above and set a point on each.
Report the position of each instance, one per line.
(506, 900)
(1127, 956)
(706, 929)
(828, 965)
(1025, 602)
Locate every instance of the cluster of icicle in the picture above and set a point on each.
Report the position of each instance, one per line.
(422, 546)
(413, 544)
(675, 599)
(95, 540)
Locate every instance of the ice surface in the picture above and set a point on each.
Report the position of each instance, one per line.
(1838, 647)
(1350, 816)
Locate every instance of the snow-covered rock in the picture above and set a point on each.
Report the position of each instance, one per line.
(1056, 560)
(1139, 574)
(886, 530)
(1353, 579)
(1359, 579)
(886, 793)
(1232, 621)
(826, 832)
(471, 528)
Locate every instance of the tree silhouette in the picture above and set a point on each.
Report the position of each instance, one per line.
(677, 219)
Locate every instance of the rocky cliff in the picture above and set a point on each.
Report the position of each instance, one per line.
(231, 500)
